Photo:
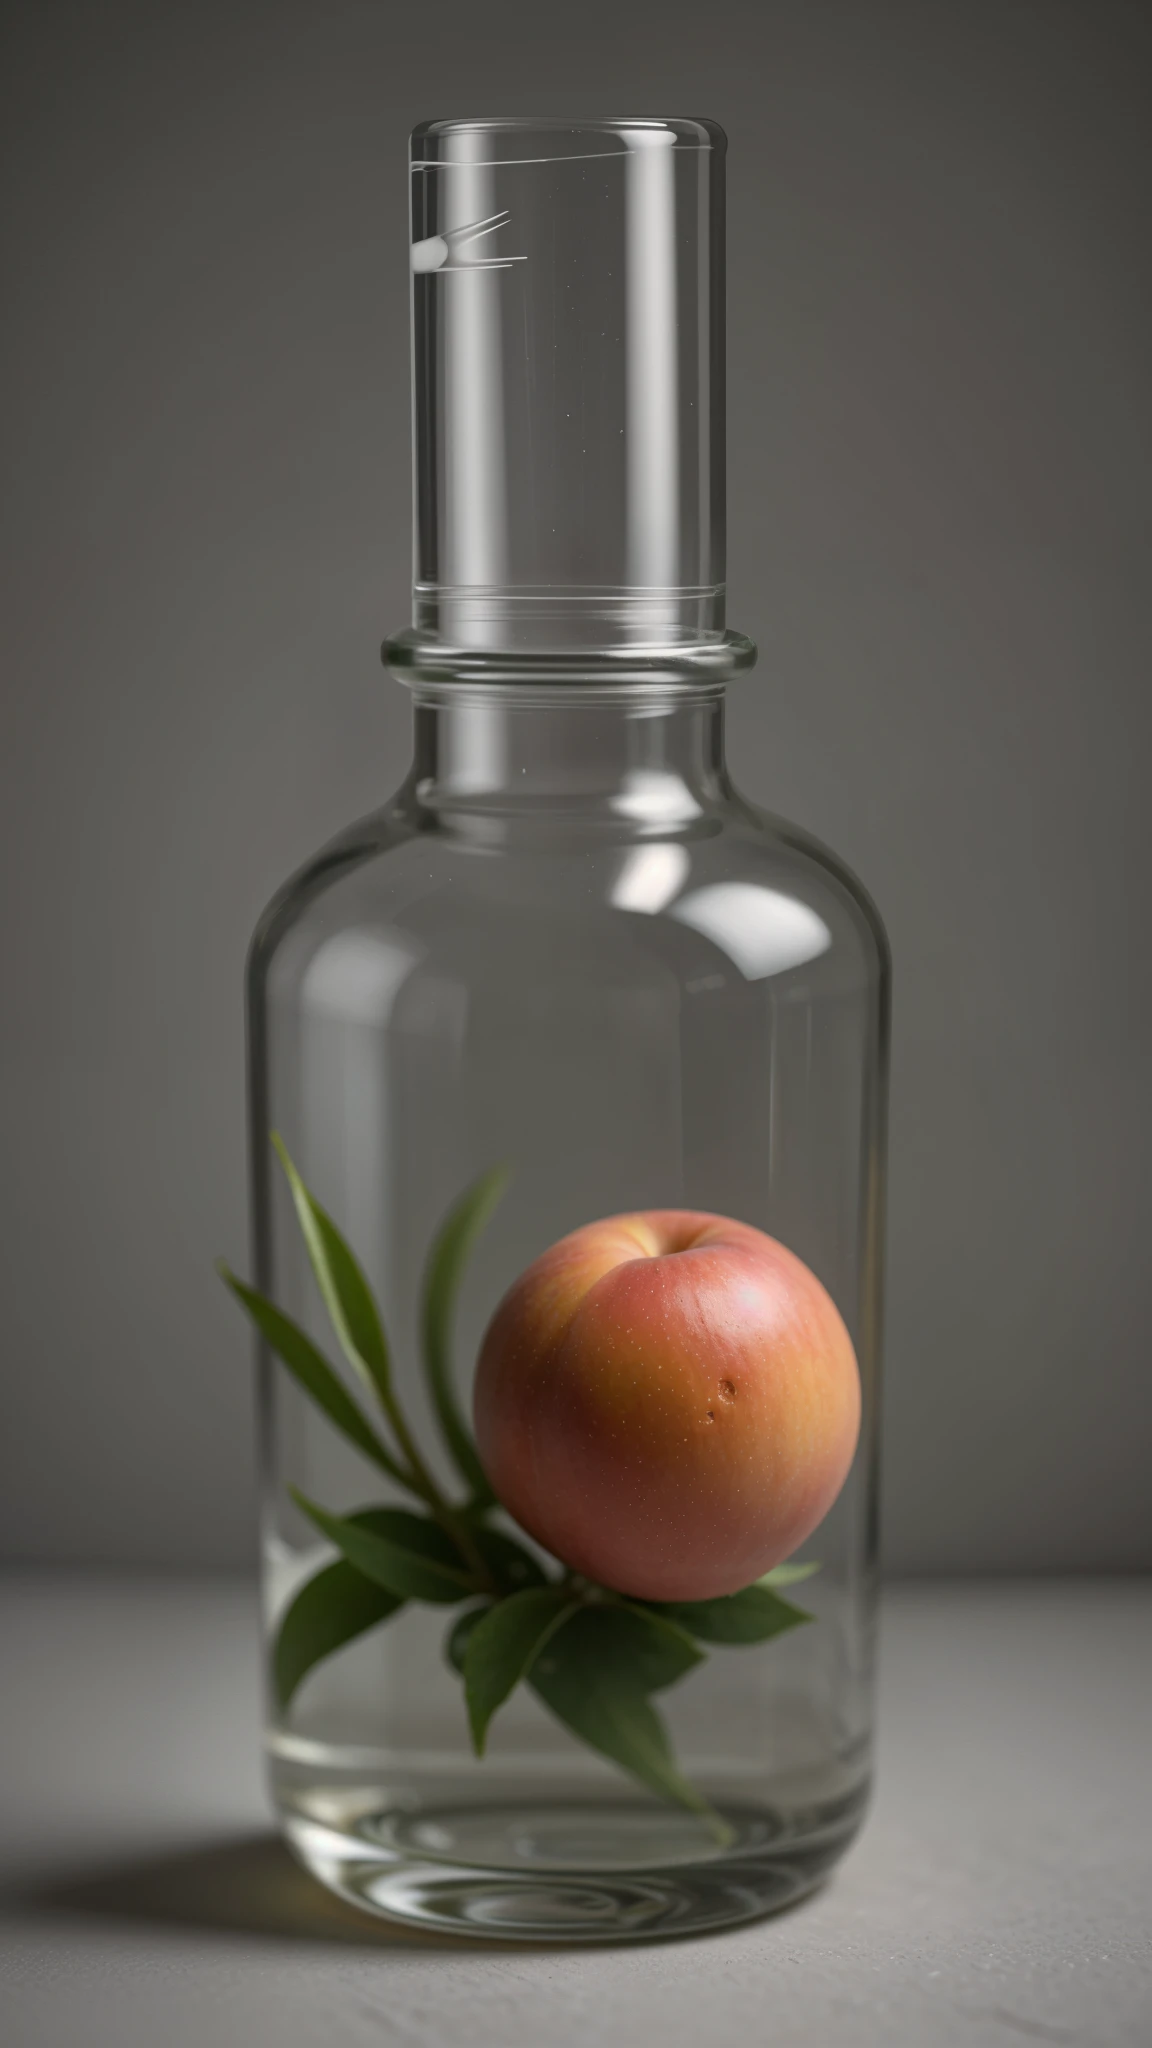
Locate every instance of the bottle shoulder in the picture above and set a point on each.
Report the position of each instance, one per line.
(741, 881)
(318, 880)
(814, 857)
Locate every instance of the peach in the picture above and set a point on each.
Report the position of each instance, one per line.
(668, 1402)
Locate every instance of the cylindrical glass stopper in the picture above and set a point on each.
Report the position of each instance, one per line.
(568, 362)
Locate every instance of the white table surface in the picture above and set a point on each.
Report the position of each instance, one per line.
(1001, 1893)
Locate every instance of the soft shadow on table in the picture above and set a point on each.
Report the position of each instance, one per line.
(250, 1885)
(246, 1885)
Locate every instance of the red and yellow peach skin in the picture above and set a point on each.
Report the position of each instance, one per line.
(669, 1402)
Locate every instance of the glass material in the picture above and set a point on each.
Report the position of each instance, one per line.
(568, 354)
(567, 944)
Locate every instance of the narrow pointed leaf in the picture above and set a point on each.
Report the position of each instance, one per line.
(312, 1371)
(406, 1554)
(753, 1616)
(588, 1680)
(622, 1725)
(346, 1293)
(459, 1633)
(330, 1610)
(501, 1647)
(442, 1277)
(651, 1644)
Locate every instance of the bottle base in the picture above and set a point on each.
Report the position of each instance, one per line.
(569, 1871)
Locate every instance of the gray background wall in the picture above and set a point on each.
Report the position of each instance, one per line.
(941, 440)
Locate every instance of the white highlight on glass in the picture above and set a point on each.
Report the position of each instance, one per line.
(356, 976)
(429, 254)
(474, 754)
(476, 495)
(652, 430)
(761, 931)
(434, 251)
(654, 796)
(649, 878)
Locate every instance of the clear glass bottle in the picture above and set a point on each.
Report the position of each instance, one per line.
(567, 944)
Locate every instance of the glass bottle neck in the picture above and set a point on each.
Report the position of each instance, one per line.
(645, 756)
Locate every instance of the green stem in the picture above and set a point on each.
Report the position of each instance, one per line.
(465, 1542)
(424, 1485)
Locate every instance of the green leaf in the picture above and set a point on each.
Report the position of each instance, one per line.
(405, 1553)
(595, 1681)
(652, 1645)
(515, 1571)
(501, 1647)
(347, 1295)
(328, 1611)
(752, 1616)
(442, 1277)
(459, 1633)
(312, 1371)
(510, 1564)
(787, 1574)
